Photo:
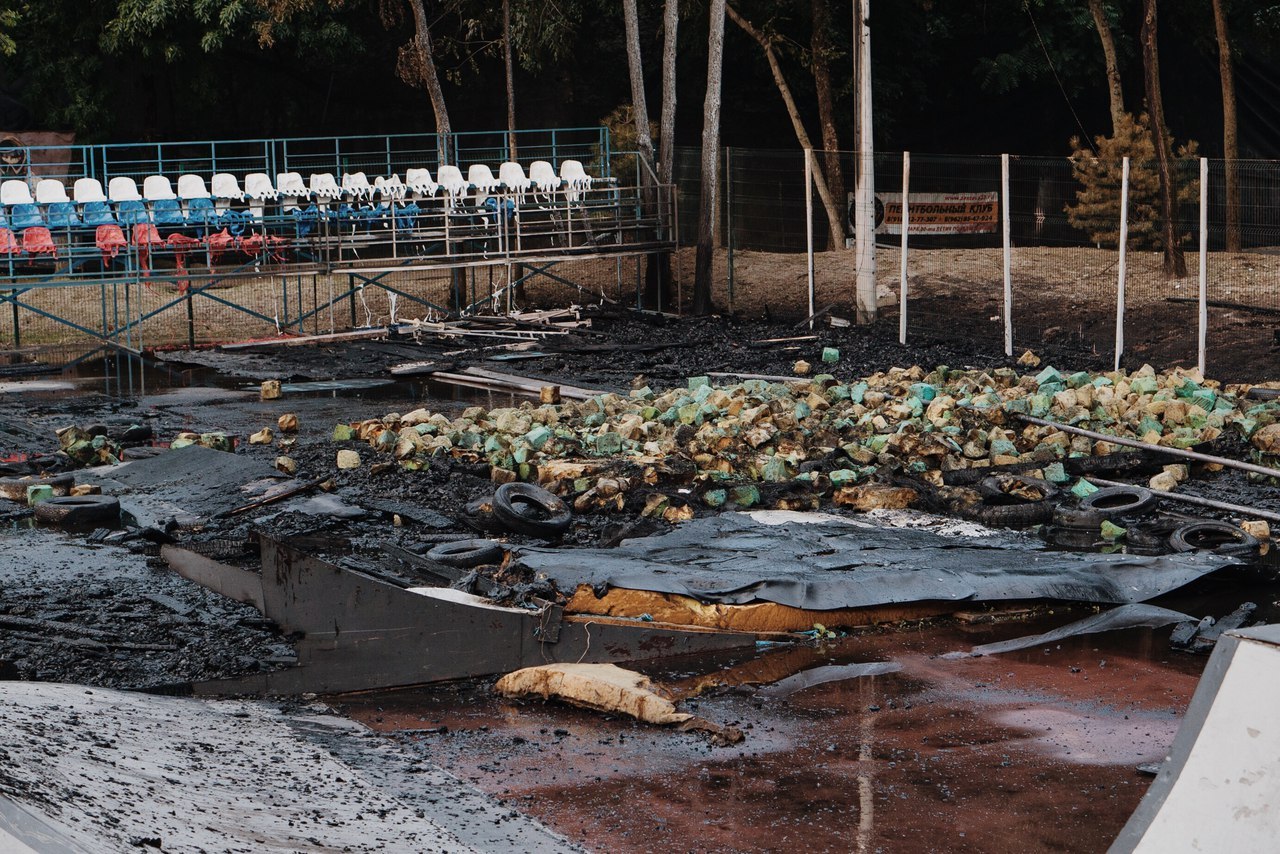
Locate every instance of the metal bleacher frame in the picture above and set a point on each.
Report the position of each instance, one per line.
(364, 241)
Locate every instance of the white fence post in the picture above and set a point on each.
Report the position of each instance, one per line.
(1008, 257)
(1120, 274)
(1204, 263)
(808, 223)
(902, 272)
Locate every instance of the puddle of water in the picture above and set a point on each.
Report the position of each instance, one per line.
(126, 376)
(1028, 751)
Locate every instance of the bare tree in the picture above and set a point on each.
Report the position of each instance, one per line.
(710, 160)
(1114, 91)
(1175, 264)
(417, 63)
(639, 104)
(667, 121)
(834, 217)
(1230, 144)
(820, 60)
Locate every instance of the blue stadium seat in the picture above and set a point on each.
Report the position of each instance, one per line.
(63, 215)
(132, 212)
(167, 215)
(26, 216)
(98, 213)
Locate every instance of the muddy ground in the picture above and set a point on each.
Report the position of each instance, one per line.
(1034, 750)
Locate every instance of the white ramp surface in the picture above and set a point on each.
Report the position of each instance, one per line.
(88, 769)
(1220, 788)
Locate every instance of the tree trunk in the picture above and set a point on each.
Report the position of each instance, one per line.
(710, 161)
(820, 47)
(431, 80)
(834, 217)
(511, 79)
(639, 104)
(667, 122)
(1230, 146)
(1114, 92)
(667, 150)
(1175, 265)
(652, 296)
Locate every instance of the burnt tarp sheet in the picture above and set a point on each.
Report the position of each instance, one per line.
(192, 481)
(823, 562)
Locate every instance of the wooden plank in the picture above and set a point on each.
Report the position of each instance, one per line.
(773, 378)
(534, 385)
(302, 340)
(414, 369)
(792, 340)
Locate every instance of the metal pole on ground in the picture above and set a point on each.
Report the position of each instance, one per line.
(865, 202)
(902, 272)
(1120, 273)
(1008, 256)
(808, 225)
(1204, 264)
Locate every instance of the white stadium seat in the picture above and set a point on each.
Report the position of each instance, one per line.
(324, 186)
(88, 190)
(419, 182)
(544, 177)
(156, 188)
(450, 177)
(50, 191)
(192, 187)
(123, 189)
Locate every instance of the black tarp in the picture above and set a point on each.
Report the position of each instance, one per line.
(822, 563)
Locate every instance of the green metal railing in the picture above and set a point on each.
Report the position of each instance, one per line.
(375, 154)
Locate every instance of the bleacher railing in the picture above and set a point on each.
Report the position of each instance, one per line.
(311, 264)
(373, 154)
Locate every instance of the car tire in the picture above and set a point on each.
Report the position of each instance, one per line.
(467, 554)
(15, 488)
(78, 510)
(1113, 501)
(1221, 537)
(528, 509)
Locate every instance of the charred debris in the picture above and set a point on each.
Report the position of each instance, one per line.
(660, 500)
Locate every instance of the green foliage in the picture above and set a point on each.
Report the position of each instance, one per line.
(1096, 210)
(622, 133)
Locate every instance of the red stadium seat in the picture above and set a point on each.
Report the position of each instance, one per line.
(38, 241)
(145, 236)
(8, 243)
(181, 244)
(110, 239)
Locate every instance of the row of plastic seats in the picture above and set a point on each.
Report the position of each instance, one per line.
(195, 204)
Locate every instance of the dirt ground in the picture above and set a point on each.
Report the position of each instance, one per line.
(1062, 297)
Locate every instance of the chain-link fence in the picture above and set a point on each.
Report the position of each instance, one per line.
(1063, 249)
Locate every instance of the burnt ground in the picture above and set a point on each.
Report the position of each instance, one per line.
(621, 346)
(954, 755)
(217, 390)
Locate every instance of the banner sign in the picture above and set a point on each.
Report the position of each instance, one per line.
(939, 213)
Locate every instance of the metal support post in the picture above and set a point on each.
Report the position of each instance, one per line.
(808, 226)
(1121, 269)
(1202, 337)
(902, 270)
(1008, 256)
